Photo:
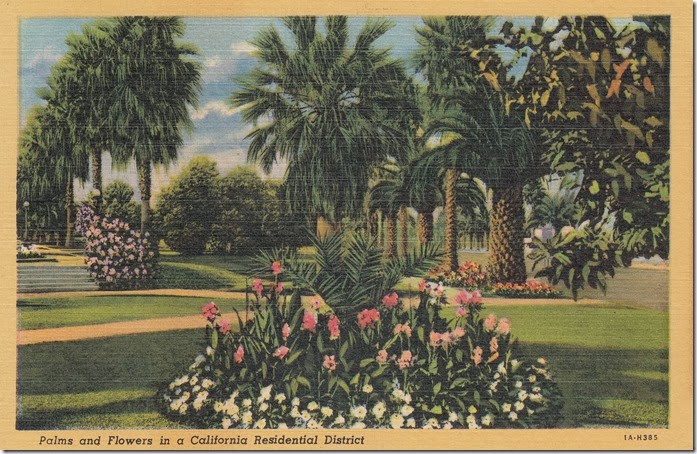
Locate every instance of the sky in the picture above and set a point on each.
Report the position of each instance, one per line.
(225, 54)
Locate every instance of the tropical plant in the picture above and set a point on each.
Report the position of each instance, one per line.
(118, 202)
(553, 206)
(188, 207)
(151, 83)
(332, 110)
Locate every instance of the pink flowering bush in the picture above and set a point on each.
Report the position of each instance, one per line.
(384, 361)
(117, 256)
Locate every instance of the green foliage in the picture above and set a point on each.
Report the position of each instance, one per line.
(188, 207)
(118, 203)
(337, 110)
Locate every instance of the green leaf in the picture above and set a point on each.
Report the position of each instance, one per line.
(303, 381)
(655, 51)
(627, 216)
(366, 361)
(436, 388)
(293, 356)
(437, 410)
(643, 157)
(594, 188)
(214, 339)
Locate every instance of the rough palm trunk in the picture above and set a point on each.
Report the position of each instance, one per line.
(425, 226)
(506, 235)
(403, 232)
(145, 186)
(96, 157)
(373, 225)
(391, 243)
(69, 223)
(450, 256)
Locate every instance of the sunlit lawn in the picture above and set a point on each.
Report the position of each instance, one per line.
(611, 363)
(52, 312)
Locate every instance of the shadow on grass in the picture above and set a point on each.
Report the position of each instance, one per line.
(192, 277)
(604, 387)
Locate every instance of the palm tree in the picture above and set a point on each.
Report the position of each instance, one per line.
(152, 83)
(555, 207)
(386, 195)
(439, 59)
(333, 111)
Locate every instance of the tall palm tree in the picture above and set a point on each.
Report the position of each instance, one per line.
(153, 80)
(332, 110)
(386, 195)
(439, 59)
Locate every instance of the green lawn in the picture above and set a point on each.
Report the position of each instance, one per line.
(611, 363)
(51, 312)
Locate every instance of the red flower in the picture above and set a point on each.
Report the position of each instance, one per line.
(210, 311)
(276, 267)
(279, 288)
(368, 317)
(333, 325)
(285, 331)
(390, 301)
(257, 286)
(310, 322)
(281, 352)
(329, 363)
(238, 356)
(224, 326)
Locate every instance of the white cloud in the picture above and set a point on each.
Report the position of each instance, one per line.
(242, 47)
(47, 55)
(214, 108)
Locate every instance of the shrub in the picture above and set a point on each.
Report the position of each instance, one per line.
(117, 256)
(28, 252)
(377, 362)
(527, 290)
(469, 275)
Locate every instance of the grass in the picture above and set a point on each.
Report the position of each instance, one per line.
(611, 363)
(51, 312)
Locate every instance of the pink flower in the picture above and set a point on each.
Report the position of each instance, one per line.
(316, 302)
(329, 363)
(477, 357)
(435, 339)
(390, 301)
(458, 332)
(367, 318)
(224, 326)
(210, 310)
(276, 267)
(285, 331)
(238, 356)
(279, 288)
(461, 311)
(462, 298)
(490, 322)
(281, 352)
(310, 322)
(404, 361)
(405, 328)
(476, 297)
(257, 286)
(494, 344)
(504, 326)
(423, 285)
(382, 356)
(333, 325)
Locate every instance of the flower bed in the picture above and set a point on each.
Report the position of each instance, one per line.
(531, 289)
(117, 256)
(469, 275)
(29, 252)
(388, 365)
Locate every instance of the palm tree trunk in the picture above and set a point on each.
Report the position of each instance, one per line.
(69, 196)
(145, 186)
(450, 257)
(403, 238)
(391, 244)
(373, 225)
(506, 235)
(96, 157)
(425, 226)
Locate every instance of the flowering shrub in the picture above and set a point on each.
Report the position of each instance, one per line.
(117, 256)
(529, 289)
(28, 252)
(387, 364)
(469, 275)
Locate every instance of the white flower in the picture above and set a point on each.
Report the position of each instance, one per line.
(555, 45)
(282, 426)
(326, 412)
(472, 409)
(247, 417)
(519, 384)
(198, 361)
(359, 412)
(358, 425)
(265, 393)
(246, 403)
(501, 368)
(368, 388)
(407, 410)
(494, 385)
(624, 51)
(542, 361)
(294, 412)
(218, 406)
(536, 389)
(175, 405)
(305, 415)
(530, 411)
(226, 423)
(532, 379)
(260, 424)
(513, 416)
(183, 409)
(295, 402)
(379, 410)
(398, 394)
(452, 416)
(471, 419)
(280, 397)
(193, 380)
(312, 406)
(515, 364)
(312, 424)
(537, 398)
(518, 406)
(196, 388)
(447, 425)
(339, 421)
(522, 395)
(207, 383)
(411, 422)
(396, 421)
(506, 408)
(488, 419)
(407, 398)
(263, 407)
(433, 422)
(209, 351)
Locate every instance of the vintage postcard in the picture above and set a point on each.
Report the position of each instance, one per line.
(337, 225)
